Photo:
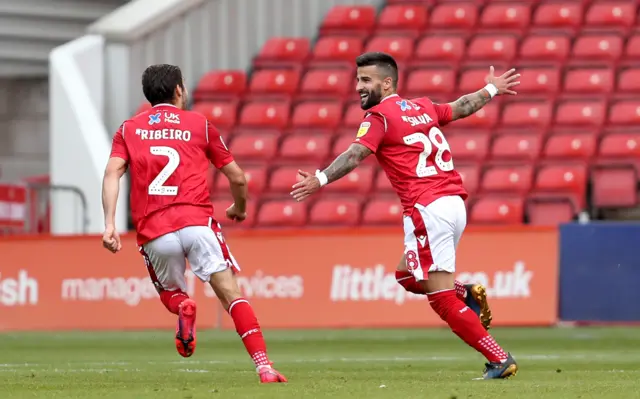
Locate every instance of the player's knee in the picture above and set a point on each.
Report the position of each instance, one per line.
(402, 265)
(226, 287)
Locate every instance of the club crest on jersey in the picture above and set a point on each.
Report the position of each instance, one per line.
(364, 128)
(154, 118)
(406, 105)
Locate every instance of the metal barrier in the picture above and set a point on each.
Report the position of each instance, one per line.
(25, 208)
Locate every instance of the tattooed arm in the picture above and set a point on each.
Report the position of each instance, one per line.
(346, 162)
(471, 103)
(340, 167)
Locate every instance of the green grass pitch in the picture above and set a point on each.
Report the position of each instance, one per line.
(554, 363)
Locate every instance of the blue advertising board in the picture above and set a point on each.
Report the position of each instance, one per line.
(600, 272)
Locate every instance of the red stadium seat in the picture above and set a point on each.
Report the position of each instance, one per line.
(353, 117)
(347, 19)
(282, 178)
(439, 49)
(620, 146)
(283, 52)
(221, 114)
(430, 82)
(402, 18)
(570, 146)
(300, 147)
(511, 147)
(220, 84)
(558, 16)
(337, 50)
(492, 47)
(485, 118)
(507, 179)
(330, 82)
(625, 113)
(469, 146)
(256, 180)
(265, 115)
(359, 181)
(588, 81)
(569, 180)
(611, 15)
(539, 81)
(274, 82)
(632, 50)
(527, 114)
(470, 177)
(629, 80)
(382, 183)
(382, 211)
(285, 213)
(579, 113)
(454, 16)
(335, 212)
(549, 212)
(614, 186)
(602, 48)
(400, 47)
(145, 106)
(540, 49)
(342, 143)
(254, 146)
(472, 80)
(506, 16)
(314, 114)
(497, 210)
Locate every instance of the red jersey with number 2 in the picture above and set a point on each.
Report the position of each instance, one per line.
(406, 138)
(168, 151)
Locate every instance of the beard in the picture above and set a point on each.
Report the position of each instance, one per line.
(372, 99)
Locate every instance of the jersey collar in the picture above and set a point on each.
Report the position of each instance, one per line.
(164, 105)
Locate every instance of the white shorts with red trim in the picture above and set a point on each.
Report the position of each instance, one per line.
(203, 246)
(431, 236)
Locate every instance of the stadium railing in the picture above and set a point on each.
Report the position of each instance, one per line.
(95, 79)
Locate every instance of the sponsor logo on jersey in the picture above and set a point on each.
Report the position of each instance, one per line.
(364, 128)
(407, 105)
(170, 117)
(154, 118)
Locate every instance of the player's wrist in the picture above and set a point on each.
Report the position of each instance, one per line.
(322, 177)
(491, 89)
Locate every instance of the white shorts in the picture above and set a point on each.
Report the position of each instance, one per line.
(203, 246)
(431, 236)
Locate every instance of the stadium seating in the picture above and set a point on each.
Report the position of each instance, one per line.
(568, 142)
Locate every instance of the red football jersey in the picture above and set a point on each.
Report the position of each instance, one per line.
(168, 152)
(406, 138)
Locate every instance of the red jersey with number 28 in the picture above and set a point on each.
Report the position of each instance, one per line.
(406, 138)
(168, 151)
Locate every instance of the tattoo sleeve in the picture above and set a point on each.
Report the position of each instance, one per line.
(347, 161)
(469, 104)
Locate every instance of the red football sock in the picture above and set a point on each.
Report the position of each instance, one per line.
(465, 324)
(409, 283)
(173, 299)
(248, 328)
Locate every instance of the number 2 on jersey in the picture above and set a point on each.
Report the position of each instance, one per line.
(424, 170)
(157, 186)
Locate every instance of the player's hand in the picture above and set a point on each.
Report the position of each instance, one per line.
(111, 239)
(505, 82)
(307, 185)
(235, 215)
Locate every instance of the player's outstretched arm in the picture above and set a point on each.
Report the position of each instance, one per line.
(340, 167)
(116, 167)
(497, 85)
(238, 184)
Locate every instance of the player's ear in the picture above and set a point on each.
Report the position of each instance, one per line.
(387, 83)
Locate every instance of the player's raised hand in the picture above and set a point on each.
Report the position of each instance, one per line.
(111, 239)
(307, 185)
(234, 214)
(505, 82)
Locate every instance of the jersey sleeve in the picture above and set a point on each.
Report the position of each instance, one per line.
(217, 150)
(371, 132)
(444, 113)
(118, 146)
